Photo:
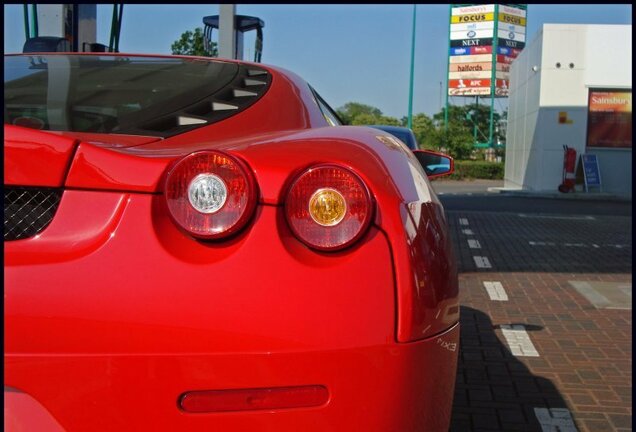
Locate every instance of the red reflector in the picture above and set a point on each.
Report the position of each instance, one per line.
(253, 399)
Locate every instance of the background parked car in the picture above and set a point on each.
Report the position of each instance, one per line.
(404, 134)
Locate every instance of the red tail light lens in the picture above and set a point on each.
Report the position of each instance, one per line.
(210, 194)
(328, 207)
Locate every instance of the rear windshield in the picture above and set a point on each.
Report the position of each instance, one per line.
(105, 94)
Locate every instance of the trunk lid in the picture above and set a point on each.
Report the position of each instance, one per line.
(35, 158)
(44, 158)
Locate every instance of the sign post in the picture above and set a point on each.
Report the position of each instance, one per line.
(484, 39)
(591, 171)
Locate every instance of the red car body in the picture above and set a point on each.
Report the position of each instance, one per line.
(115, 318)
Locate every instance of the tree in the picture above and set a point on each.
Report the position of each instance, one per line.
(351, 110)
(191, 43)
(386, 120)
(424, 130)
(458, 139)
(354, 113)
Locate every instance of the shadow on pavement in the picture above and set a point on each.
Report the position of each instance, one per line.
(496, 391)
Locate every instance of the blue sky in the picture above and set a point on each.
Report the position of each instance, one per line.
(347, 53)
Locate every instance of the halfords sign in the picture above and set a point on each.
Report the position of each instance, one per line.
(469, 67)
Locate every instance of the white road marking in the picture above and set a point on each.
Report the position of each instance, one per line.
(474, 244)
(482, 262)
(463, 221)
(468, 232)
(496, 291)
(518, 341)
(583, 245)
(555, 217)
(555, 419)
(533, 243)
(627, 290)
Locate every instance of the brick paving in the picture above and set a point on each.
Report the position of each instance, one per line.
(584, 361)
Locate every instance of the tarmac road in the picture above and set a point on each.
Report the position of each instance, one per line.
(545, 293)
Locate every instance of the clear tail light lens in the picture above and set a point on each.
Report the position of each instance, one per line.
(210, 194)
(328, 207)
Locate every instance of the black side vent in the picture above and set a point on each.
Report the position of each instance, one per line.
(27, 211)
(249, 85)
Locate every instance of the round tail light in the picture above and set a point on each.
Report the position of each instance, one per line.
(328, 207)
(210, 194)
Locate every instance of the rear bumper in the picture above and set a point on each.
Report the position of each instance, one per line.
(400, 387)
(112, 313)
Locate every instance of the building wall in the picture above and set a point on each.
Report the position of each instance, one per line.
(587, 56)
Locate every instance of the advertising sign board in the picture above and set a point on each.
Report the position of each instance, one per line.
(504, 59)
(511, 52)
(470, 75)
(472, 9)
(502, 88)
(470, 67)
(511, 27)
(609, 118)
(481, 50)
(468, 83)
(503, 67)
(510, 43)
(509, 10)
(479, 91)
(470, 58)
(591, 171)
(507, 34)
(511, 19)
(479, 17)
(470, 42)
(486, 25)
(484, 39)
(472, 34)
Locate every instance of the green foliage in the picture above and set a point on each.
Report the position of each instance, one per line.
(468, 169)
(351, 110)
(457, 139)
(354, 113)
(389, 121)
(362, 119)
(425, 133)
(191, 43)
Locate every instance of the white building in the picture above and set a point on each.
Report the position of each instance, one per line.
(548, 104)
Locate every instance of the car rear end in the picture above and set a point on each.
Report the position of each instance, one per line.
(122, 315)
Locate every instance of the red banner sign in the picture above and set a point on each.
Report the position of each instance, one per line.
(481, 50)
(504, 59)
(468, 83)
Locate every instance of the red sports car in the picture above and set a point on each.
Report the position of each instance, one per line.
(195, 244)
